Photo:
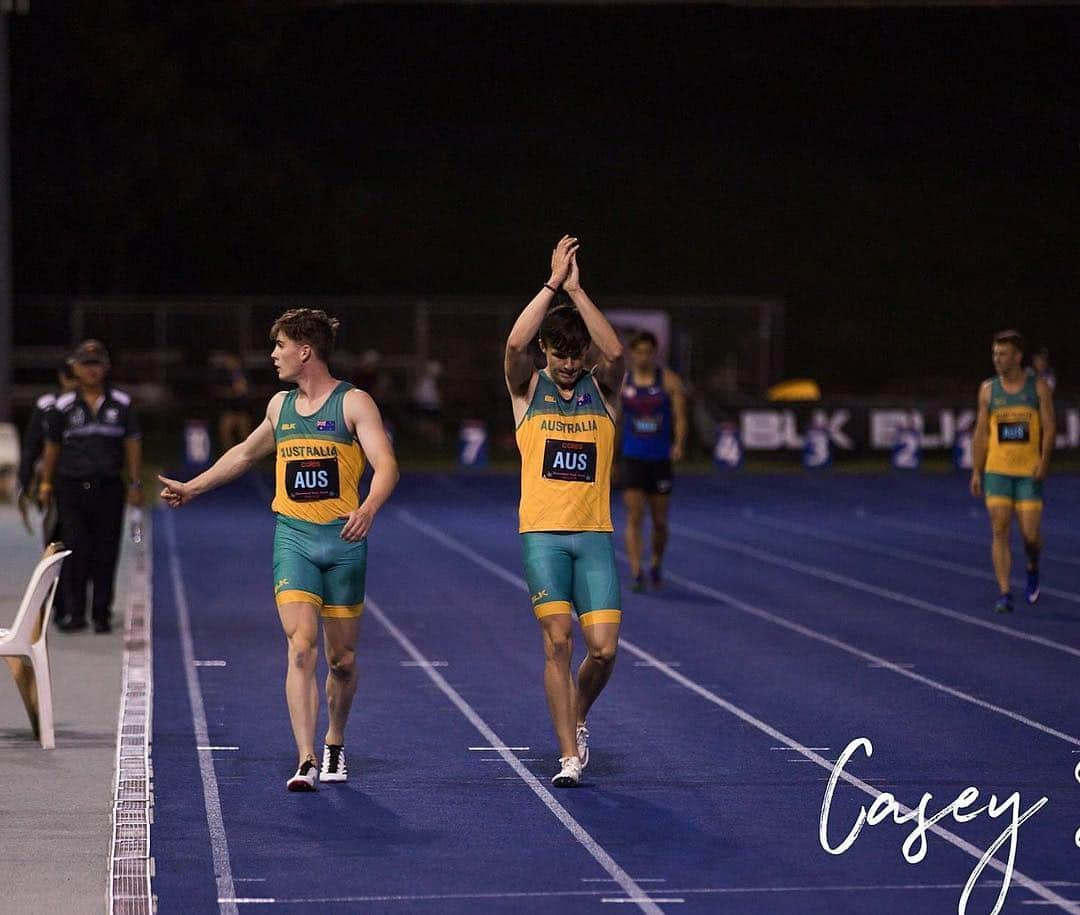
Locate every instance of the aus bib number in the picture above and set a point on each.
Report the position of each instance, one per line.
(312, 481)
(1014, 432)
(573, 462)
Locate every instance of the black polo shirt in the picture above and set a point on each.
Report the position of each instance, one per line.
(91, 444)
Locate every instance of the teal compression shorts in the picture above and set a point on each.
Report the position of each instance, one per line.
(1023, 492)
(572, 571)
(313, 565)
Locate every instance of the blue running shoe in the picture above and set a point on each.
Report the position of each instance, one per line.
(1031, 592)
(1004, 604)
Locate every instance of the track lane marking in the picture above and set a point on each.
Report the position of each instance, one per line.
(219, 840)
(793, 527)
(628, 885)
(1019, 878)
(858, 585)
(916, 528)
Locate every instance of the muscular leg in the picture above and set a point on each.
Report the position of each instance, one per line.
(1000, 521)
(602, 640)
(1029, 519)
(658, 505)
(339, 638)
(301, 624)
(558, 682)
(634, 500)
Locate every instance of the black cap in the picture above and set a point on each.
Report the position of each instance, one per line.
(89, 351)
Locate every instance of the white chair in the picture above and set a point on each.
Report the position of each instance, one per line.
(27, 639)
(9, 456)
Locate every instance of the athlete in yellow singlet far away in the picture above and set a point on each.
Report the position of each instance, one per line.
(322, 433)
(1014, 438)
(566, 435)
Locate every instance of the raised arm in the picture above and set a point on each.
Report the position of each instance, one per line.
(363, 415)
(518, 363)
(233, 463)
(979, 439)
(1048, 422)
(610, 369)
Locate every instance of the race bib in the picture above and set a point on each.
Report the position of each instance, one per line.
(1013, 432)
(646, 425)
(573, 462)
(312, 480)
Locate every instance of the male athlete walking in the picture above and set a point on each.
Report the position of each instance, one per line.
(653, 438)
(566, 435)
(1014, 437)
(322, 433)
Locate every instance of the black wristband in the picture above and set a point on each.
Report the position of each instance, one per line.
(552, 288)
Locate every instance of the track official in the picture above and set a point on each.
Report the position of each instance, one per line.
(92, 441)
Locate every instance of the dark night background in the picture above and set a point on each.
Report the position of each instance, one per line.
(906, 179)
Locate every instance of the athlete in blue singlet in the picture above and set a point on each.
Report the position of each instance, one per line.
(653, 435)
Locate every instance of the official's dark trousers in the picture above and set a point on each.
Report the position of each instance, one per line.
(91, 523)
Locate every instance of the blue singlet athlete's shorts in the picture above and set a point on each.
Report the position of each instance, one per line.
(572, 570)
(313, 565)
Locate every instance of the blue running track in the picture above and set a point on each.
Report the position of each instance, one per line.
(799, 613)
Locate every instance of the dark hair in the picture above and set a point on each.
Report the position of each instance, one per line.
(564, 330)
(1011, 336)
(65, 371)
(643, 336)
(308, 325)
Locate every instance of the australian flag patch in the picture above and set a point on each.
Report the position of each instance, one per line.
(585, 398)
(325, 425)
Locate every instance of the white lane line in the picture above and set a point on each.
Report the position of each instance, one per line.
(893, 553)
(809, 748)
(217, 748)
(736, 604)
(691, 891)
(561, 813)
(499, 748)
(916, 528)
(219, 841)
(645, 899)
(210, 663)
(858, 585)
(1019, 878)
(645, 664)
(638, 879)
(425, 664)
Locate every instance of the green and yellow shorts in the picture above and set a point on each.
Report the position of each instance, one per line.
(1021, 492)
(313, 565)
(573, 570)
